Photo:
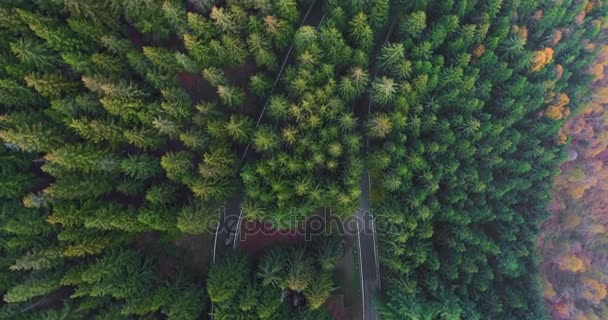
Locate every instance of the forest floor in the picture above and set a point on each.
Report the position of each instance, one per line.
(200, 251)
(345, 277)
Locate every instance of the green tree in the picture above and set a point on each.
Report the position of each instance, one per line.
(161, 194)
(231, 96)
(74, 186)
(287, 9)
(414, 24)
(33, 54)
(271, 268)
(215, 76)
(226, 277)
(298, 274)
(14, 95)
(141, 166)
(319, 290)
(177, 165)
(197, 218)
(260, 85)
(265, 139)
(240, 128)
(361, 32)
(33, 288)
(269, 304)
(83, 157)
(379, 13)
(163, 59)
(248, 299)
(379, 125)
(391, 55)
(384, 90)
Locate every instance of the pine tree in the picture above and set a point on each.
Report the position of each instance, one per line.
(361, 32)
(248, 299)
(162, 194)
(84, 158)
(177, 165)
(57, 37)
(271, 268)
(33, 54)
(215, 76)
(240, 128)
(34, 287)
(147, 16)
(231, 96)
(175, 15)
(98, 130)
(298, 274)
(319, 290)
(258, 46)
(287, 9)
(80, 187)
(260, 85)
(265, 139)
(223, 20)
(141, 166)
(142, 138)
(384, 90)
(197, 218)
(163, 59)
(226, 277)
(31, 132)
(414, 24)
(14, 95)
(269, 303)
(391, 55)
(379, 125)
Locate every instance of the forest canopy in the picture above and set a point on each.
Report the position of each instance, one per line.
(126, 124)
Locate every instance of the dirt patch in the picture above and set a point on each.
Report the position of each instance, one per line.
(135, 37)
(197, 87)
(335, 306)
(257, 236)
(239, 76)
(199, 249)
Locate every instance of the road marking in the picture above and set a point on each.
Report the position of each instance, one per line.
(369, 189)
(217, 229)
(237, 235)
(361, 267)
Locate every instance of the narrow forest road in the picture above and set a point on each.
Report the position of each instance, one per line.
(228, 223)
(368, 255)
(369, 265)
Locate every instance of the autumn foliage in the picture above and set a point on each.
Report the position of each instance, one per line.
(574, 242)
(542, 58)
(557, 108)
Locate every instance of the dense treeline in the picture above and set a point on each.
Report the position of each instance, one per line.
(466, 109)
(310, 144)
(126, 124)
(287, 282)
(112, 159)
(573, 242)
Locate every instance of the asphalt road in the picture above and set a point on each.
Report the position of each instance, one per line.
(226, 232)
(368, 262)
(369, 266)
